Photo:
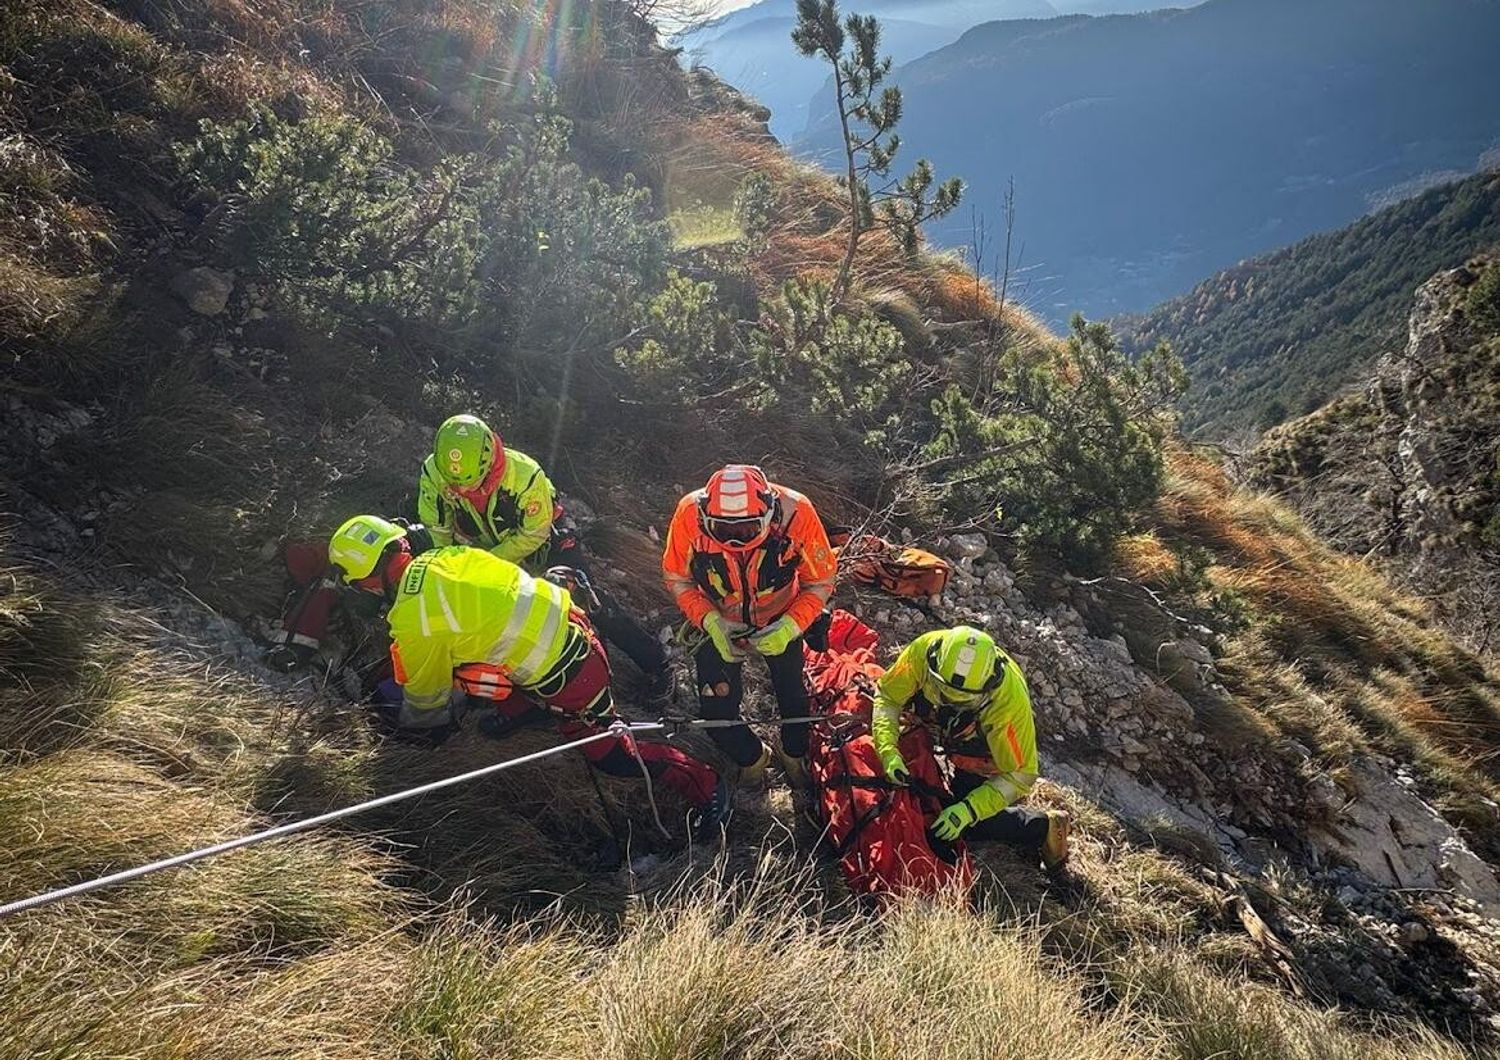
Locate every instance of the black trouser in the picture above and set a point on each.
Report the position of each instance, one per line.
(721, 689)
(616, 625)
(1015, 825)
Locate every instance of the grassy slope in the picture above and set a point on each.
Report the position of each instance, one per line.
(451, 927)
(1320, 646)
(1278, 335)
(346, 944)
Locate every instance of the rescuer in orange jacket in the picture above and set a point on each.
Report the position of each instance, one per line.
(749, 563)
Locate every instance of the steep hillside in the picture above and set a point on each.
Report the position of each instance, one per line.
(1229, 129)
(1281, 334)
(1409, 467)
(252, 255)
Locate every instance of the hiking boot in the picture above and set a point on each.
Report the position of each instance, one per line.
(709, 821)
(795, 769)
(496, 726)
(754, 775)
(1055, 846)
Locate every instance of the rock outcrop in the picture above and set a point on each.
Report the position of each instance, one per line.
(1131, 713)
(1407, 469)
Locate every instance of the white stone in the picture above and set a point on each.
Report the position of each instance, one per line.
(206, 291)
(968, 546)
(1398, 840)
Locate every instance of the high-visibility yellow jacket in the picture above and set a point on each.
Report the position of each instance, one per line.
(514, 521)
(459, 605)
(1004, 721)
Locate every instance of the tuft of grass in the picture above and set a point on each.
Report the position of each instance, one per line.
(1200, 1015)
(480, 991)
(1324, 648)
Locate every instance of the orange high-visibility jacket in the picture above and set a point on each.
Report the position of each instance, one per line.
(790, 573)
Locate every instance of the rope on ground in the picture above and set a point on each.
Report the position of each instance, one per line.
(625, 733)
(126, 875)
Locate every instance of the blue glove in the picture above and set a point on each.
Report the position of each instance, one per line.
(951, 823)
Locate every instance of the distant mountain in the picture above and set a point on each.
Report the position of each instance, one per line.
(751, 48)
(1149, 150)
(758, 58)
(1279, 335)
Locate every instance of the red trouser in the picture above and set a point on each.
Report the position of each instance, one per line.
(578, 696)
(306, 620)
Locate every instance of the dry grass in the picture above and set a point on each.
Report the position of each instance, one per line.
(1330, 653)
(470, 925)
(476, 924)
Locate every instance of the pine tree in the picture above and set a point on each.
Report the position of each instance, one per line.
(868, 111)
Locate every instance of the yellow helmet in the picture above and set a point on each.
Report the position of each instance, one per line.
(966, 664)
(467, 452)
(356, 547)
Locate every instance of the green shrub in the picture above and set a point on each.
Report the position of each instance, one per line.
(1484, 300)
(689, 345)
(1067, 447)
(844, 365)
(321, 208)
(512, 247)
(807, 356)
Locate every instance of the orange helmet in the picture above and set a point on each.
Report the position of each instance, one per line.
(737, 507)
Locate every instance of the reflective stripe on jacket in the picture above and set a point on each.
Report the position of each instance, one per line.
(460, 605)
(1004, 719)
(515, 522)
(791, 573)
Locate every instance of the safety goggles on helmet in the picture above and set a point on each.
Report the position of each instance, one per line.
(958, 697)
(738, 533)
(737, 506)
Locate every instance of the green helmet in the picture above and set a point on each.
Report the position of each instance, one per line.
(467, 451)
(966, 663)
(356, 547)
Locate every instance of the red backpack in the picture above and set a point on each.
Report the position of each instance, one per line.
(877, 830)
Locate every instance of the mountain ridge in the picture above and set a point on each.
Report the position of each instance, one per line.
(1280, 334)
(1278, 121)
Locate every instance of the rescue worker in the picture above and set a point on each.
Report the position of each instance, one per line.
(463, 615)
(313, 591)
(973, 699)
(475, 491)
(749, 563)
